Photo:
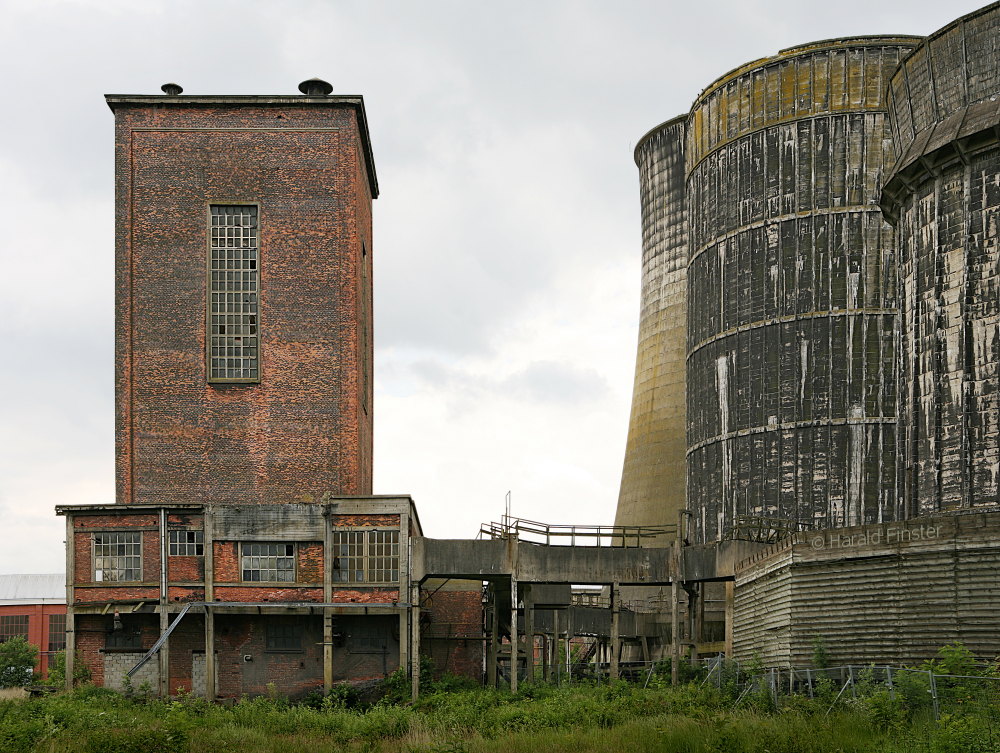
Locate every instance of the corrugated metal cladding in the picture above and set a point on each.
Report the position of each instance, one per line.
(945, 196)
(652, 486)
(791, 291)
(890, 593)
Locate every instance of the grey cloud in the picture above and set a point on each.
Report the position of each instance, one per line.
(551, 382)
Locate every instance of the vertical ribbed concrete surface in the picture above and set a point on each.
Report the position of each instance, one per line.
(791, 291)
(944, 197)
(652, 487)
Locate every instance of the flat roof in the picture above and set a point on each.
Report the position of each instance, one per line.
(355, 101)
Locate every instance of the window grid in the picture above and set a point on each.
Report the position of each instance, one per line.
(383, 556)
(187, 544)
(233, 277)
(270, 563)
(283, 636)
(13, 626)
(57, 632)
(366, 556)
(349, 557)
(117, 557)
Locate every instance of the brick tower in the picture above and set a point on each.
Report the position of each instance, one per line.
(243, 297)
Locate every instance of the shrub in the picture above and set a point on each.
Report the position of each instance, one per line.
(137, 740)
(953, 659)
(820, 657)
(57, 671)
(17, 662)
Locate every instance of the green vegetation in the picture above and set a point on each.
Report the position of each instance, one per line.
(722, 715)
(17, 662)
(618, 716)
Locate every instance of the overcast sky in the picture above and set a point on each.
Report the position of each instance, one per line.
(507, 236)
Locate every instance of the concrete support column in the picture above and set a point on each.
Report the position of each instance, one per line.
(569, 636)
(675, 630)
(328, 651)
(208, 537)
(70, 600)
(616, 646)
(328, 557)
(529, 635)
(415, 641)
(210, 685)
(513, 634)
(164, 656)
(404, 644)
(555, 645)
(493, 652)
(692, 627)
(730, 610)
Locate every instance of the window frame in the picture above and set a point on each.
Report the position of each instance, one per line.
(279, 632)
(172, 552)
(208, 293)
(11, 622)
(58, 617)
(366, 558)
(294, 556)
(93, 556)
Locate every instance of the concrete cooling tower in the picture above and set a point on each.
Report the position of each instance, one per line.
(791, 291)
(652, 488)
(944, 196)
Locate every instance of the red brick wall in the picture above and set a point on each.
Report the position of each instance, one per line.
(362, 521)
(299, 432)
(187, 639)
(310, 562)
(83, 565)
(452, 635)
(293, 673)
(38, 627)
(91, 635)
(250, 593)
(185, 568)
(371, 596)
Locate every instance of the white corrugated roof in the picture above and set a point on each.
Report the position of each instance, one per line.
(33, 589)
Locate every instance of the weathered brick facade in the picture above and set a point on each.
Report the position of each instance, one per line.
(306, 428)
(284, 573)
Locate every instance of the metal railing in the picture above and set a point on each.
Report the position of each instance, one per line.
(534, 532)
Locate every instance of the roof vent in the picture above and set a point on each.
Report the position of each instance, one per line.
(171, 90)
(315, 87)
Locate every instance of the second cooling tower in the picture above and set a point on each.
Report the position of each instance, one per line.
(791, 292)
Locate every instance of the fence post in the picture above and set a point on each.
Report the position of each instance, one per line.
(809, 681)
(850, 673)
(934, 695)
(888, 680)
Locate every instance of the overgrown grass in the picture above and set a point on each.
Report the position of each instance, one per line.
(574, 719)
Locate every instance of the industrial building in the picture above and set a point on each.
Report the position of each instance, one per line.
(33, 607)
(244, 546)
(814, 417)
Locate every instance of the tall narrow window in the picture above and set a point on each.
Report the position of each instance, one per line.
(57, 632)
(233, 276)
